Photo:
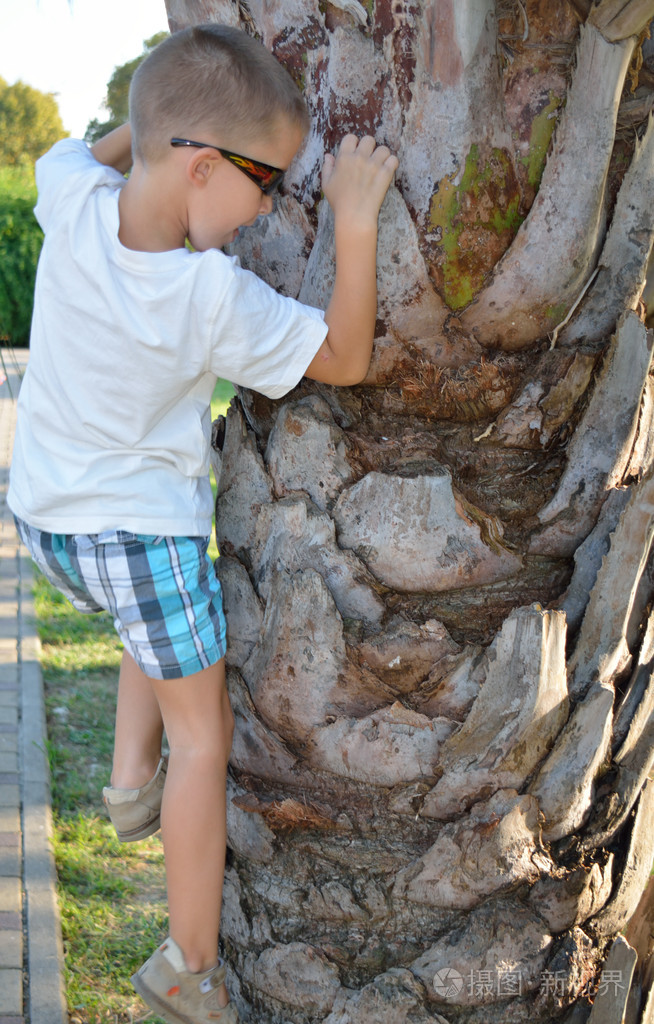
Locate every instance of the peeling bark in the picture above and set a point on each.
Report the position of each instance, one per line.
(495, 847)
(512, 723)
(619, 911)
(617, 19)
(602, 650)
(565, 784)
(624, 259)
(567, 898)
(389, 747)
(611, 1001)
(392, 998)
(502, 934)
(292, 534)
(599, 454)
(300, 428)
(633, 736)
(421, 538)
(636, 696)
(294, 974)
(297, 680)
(589, 556)
(557, 246)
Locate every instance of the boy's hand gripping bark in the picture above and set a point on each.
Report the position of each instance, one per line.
(355, 183)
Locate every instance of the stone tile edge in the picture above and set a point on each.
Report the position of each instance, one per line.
(45, 961)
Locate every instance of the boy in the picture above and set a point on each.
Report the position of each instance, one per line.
(109, 482)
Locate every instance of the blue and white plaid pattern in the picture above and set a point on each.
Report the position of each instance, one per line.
(162, 592)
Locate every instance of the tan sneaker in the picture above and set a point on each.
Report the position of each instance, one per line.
(136, 813)
(179, 996)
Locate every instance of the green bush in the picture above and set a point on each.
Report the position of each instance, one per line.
(20, 245)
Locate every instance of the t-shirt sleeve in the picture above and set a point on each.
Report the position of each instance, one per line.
(263, 340)
(66, 169)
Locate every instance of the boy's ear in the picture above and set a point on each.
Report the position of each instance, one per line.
(201, 165)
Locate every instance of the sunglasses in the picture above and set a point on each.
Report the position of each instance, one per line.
(266, 177)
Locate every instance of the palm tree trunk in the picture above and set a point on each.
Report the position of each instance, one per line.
(438, 584)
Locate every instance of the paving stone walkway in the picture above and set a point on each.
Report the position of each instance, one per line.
(31, 957)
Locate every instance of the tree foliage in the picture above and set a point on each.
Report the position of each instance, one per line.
(117, 98)
(30, 123)
(20, 244)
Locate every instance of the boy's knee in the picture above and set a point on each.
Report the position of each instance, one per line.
(205, 758)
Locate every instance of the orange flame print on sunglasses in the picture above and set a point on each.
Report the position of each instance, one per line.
(266, 177)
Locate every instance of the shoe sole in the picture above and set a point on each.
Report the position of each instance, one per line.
(155, 1004)
(227, 1016)
(142, 832)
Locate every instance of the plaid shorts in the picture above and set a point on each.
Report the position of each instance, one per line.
(162, 592)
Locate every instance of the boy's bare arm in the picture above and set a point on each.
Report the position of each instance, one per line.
(115, 149)
(355, 183)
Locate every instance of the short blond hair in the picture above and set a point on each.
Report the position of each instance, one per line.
(211, 77)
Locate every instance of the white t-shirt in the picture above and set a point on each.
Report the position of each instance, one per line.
(113, 417)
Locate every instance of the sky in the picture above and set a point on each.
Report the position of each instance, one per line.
(71, 47)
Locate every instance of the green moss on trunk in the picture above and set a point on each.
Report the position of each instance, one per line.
(474, 221)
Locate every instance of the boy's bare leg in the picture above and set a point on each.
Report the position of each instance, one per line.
(139, 728)
(199, 724)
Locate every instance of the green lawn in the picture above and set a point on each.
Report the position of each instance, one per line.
(221, 398)
(112, 895)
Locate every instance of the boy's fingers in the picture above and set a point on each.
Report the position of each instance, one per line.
(367, 145)
(348, 144)
(376, 164)
(386, 162)
(364, 146)
(381, 154)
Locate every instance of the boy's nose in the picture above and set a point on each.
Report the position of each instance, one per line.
(266, 205)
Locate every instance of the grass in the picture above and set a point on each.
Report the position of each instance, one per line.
(112, 895)
(222, 396)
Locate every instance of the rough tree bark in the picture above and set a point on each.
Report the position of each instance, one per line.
(438, 585)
